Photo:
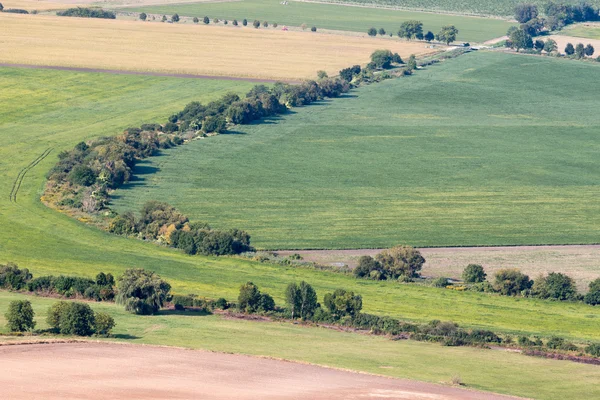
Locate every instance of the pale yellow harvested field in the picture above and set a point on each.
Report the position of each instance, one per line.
(188, 49)
(561, 42)
(41, 5)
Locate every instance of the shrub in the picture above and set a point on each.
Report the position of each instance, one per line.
(251, 300)
(11, 277)
(440, 282)
(164, 18)
(19, 317)
(401, 260)
(235, 22)
(82, 175)
(381, 31)
(143, 16)
(593, 296)
(1, 7)
(555, 286)
(142, 292)
(76, 319)
(382, 59)
(579, 50)
(265, 24)
(175, 18)
(550, 46)
(221, 304)
(313, 29)
(593, 349)
(206, 20)
(103, 323)
(244, 22)
(372, 31)
(342, 303)
(511, 282)
(348, 74)
(216, 20)
(474, 273)
(215, 124)
(15, 11)
(256, 23)
(124, 224)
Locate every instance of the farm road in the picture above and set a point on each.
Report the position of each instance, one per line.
(113, 371)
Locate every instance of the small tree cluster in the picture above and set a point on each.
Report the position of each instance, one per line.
(399, 261)
(251, 300)
(72, 318)
(142, 292)
(301, 300)
(87, 13)
(411, 30)
(383, 59)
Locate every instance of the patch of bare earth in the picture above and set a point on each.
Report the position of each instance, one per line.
(112, 371)
(582, 263)
(561, 42)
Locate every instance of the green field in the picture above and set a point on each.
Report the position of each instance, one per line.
(334, 17)
(486, 149)
(477, 368)
(57, 109)
(582, 31)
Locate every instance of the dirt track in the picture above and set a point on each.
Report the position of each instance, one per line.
(112, 371)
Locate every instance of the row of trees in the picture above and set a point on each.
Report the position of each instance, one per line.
(85, 12)
(519, 38)
(67, 318)
(206, 20)
(399, 262)
(414, 30)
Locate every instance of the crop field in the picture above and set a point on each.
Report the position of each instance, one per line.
(461, 154)
(481, 7)
(180, 48)
(477, 368)
(336, 17)
(586, 30)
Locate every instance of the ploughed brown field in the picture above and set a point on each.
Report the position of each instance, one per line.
(185, 48)
(111, 371)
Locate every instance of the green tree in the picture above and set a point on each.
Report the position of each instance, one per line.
(474, 273)
(265, 24)
(206, 20)
(569, 49)
(249, 297)
(196, 20)
(77, 319)
(244, 22)
(511, 282)
(447, 34)
(593, 295)
(142, 292)
(234, 22)
(143, 16)
(525, 12)
(381, 31)
(292, 298)
(19, 316)
(429, 36)
(401, 260)
(216, 123)
(411, 29)
(321, 74)
(550, 46)
(14, 278)
(164, 18)
(579, 50)
(313, 29)
(538, 45)
(520, 39)
(366, 265)
(308, 300)
(175, 17)
(82, 175)
(555, 286)
(411, 64)
(382, 58)
(256, 23)
(54, 313)
(103, 323)
(372, 31)
(341, 303)
(589, 50)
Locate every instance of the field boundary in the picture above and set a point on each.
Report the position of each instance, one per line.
(21, 175)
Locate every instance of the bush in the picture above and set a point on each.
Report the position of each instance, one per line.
(382, 59)
(401, 260)
(87, 13)
(175, 18)
(215, 124)
(372, 31)
(19, 317)
(593, 295)
(440, 282)
(235, 22)
(13, 278)
(555, 286)
(265, 24)
(82, 175)
(143, 16)
(348, 74)
(103, 323)
(244, 22)
(221, 304)
(206, 20)
(256, 23)
(142, 292)
(511, 282)
(474, 273)
(313, 29)
(251, 300)
(593, 349)
(76, 319)
(342, 303)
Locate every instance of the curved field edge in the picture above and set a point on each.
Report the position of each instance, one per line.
(463, 153)
(42, 108)
(477, 368)
(332, 17)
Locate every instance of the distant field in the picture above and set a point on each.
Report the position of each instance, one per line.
(180, 48)
(41, 5)
(477, 368)
(586, 30)
(461, 154)
(562, 40)
(328, 16)
(482, 7)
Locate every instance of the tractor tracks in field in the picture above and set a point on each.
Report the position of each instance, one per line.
(21, 175)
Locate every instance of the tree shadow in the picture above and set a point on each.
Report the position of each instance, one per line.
(124, 336)
(188, 312)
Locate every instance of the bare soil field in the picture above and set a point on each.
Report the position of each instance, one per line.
(562, 41)
(47, 5)
(582, 263)
(184, 48)
(109, 371)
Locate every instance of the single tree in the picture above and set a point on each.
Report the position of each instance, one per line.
(206, 20)
(381, 31)
(141, 291)
(292, 298)
(447, 34)
(164, 18)
(225, 22)
(103, 323)
(175, 18)
(244, 22)
(410, 29)
(249, 297)
(372, 31)
(589, 50)
(579, 50)
(550, 46)
(411, 64)
(429, 36)
(196, 20)
(308, 300)
(1, 7)
(256, 23)
(525, 12)
(519, 39)
(555, 286)
(401, 261)
(275, 25)
(382, 58)
(234, 22)
(569, 49)
(593, 295)
(143, 16)
(321, 74)
(474, 273)
(341, 303)
(265, 24)
(77, 319)
(538, 45)
(19, 316)
(54, 313)
(313, 29)
(511, 282)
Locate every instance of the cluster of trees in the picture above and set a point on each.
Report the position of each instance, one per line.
(519, 38)
(67, 318)
(382, 59)
(87, 13)
(414, 30)
(400, 262)
(557, 15)
(99, 289)
(579, 51)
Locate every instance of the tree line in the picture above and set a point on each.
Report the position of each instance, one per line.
(85, 12)
(413, 29)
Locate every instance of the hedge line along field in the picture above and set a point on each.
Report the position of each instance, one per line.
(530, 377)
(56, 109)
(486, 149)
(328, 16)
(188, 49)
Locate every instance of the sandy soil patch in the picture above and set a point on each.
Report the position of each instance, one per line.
(184, 48)
(562, 41)
(580, 262)
(111, 371)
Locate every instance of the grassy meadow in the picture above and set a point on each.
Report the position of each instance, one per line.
(184, 49)
(486, 149)
(586, 30)
(329, 16)
(477, 368)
